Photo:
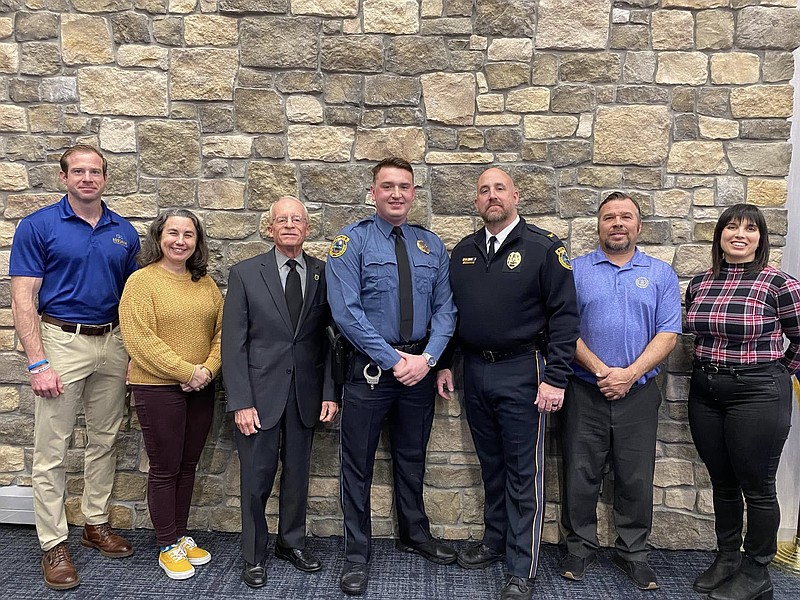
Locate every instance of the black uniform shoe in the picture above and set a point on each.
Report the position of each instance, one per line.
(434, 550)
(478, 556)
(725, 566)
(254, 575)
(300, 559)
(639, 571)
(353, 580)
(574, 567)
(751, 582)
(517, 588)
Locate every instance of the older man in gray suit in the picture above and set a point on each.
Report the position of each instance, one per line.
(274, 350)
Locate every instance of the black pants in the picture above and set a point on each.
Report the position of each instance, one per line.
(740, 422)
(594, 431)
(409, 412)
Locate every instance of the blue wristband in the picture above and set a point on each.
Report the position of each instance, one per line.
(38, 364)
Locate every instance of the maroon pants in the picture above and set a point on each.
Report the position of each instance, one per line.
(175, 425)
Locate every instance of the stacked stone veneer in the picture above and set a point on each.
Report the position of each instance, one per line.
(223, 105)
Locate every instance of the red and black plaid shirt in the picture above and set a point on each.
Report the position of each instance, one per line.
(740, 317)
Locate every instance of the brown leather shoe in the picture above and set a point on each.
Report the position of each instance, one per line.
(57, 568)
(104, 539)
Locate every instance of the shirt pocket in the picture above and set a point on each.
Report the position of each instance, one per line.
(380, 274)
(426, 269)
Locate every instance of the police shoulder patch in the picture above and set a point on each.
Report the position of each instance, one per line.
(338, 246)
(563, 257)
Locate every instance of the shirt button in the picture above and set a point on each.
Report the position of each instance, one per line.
(288, 371)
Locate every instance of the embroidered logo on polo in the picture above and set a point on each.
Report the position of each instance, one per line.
(469, 260)
(423, 246)
(118, 239)
(338, 246)
(514, 259)
(642, 282)
(563, 258)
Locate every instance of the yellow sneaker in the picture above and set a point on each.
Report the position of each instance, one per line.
(175, 564)
(194, 554)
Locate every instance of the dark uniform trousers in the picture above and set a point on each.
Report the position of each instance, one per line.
(596, 430)
(409, 410)
(508, 432)
(258, 454)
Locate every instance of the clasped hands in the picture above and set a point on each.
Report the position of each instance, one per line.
(201, 377)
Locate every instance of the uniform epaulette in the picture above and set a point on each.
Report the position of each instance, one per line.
(418, 226)
(548, 234)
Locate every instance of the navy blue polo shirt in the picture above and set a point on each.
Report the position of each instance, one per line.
(83, 270)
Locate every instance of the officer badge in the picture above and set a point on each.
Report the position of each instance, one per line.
(514, 259)
(423, 246)
(563, 258)
(469, 260)
(339, 246)
(642, 282)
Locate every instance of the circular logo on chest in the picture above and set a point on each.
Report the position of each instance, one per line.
(642, 282)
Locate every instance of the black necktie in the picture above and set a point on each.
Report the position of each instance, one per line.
(404, 275)
(492, 242)
(294, 293)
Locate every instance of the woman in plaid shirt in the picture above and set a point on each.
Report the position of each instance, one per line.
(740, 399)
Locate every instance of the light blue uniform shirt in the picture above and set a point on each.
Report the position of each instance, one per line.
(623, 308)
(363, 289)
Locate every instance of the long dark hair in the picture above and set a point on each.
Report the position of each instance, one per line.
(739, 213)
(196, 264)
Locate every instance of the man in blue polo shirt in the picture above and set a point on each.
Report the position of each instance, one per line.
(630, 318)
(75, 256)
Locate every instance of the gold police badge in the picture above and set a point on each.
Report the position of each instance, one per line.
(338, 246)
(563, 257)
(514, 259)
(423, 246)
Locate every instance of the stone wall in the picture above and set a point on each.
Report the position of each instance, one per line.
(223, 105)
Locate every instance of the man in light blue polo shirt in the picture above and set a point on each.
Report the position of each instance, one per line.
(74, 257)
(630, 318)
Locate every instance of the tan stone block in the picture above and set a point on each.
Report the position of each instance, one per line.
(672, 30)
(6, 233)
(86, 40)
(227, 146)
(496, 120)
(672, 472)
(644, 129)
(703, 197)
(325, 8)
(169, 148)
(672, 203)
(210, 30)
(694, 4)
(452, 229)
(203, 73)
(135, 55)
(12, 458)
(767, 192)
(705, 502)
(565, 24)
(689, 68)
(112, 91)
(135, 205)
(266, 182)
(21, 205)
(377, 144)
(449, 97)
(438, 158)
(691, 259)
(9, 398)
(697, 158)
(8, 339)
(117, 135)
(680, 498)
(230, 225)
(9, 58)
(220, 193)
(528, 100)
(718, 129)
(735, 68)
(762, 101)
(546, 127)
(6, 27)
(714, 29)
(13, 176)
(45, 118)
(760, 159)
(303, 109)
(391, 16)
(326, 143)
(182, 6)
(490, 102)
(766, 27)
(477, 42)
(515, 49)
(13, 118)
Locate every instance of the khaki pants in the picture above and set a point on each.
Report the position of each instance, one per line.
(92, 369)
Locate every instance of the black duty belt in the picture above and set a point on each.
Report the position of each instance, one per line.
(498, 355)
(411, 347)
(711, 368)
(79, 327)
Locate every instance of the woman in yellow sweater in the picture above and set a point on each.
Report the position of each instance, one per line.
(170, 315)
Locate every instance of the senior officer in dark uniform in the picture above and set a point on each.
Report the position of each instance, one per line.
(518, 326)
(390, 296)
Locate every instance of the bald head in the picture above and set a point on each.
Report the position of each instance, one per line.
(497, 199)
(288, 225)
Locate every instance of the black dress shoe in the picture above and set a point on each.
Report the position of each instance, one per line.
(300, 559)
(434, 550)
(517, 588)
(254, 575)
(478, 556)
(639, 571)
(574, 567)
(353, 580)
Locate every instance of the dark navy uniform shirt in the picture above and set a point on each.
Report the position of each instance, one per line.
(363, 288)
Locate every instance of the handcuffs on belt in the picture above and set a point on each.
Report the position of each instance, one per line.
(372, 380)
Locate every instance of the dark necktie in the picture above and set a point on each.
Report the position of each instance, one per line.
(404, 276)
(492, 242)
(294, 292)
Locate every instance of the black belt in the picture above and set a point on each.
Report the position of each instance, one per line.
(411, 347)
(79, 327)
(498, 355)
(711, 368)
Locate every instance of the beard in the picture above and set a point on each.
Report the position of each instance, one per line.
(623, 246)
(496, 216)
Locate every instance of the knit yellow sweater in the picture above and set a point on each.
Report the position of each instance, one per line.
(170, 324)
